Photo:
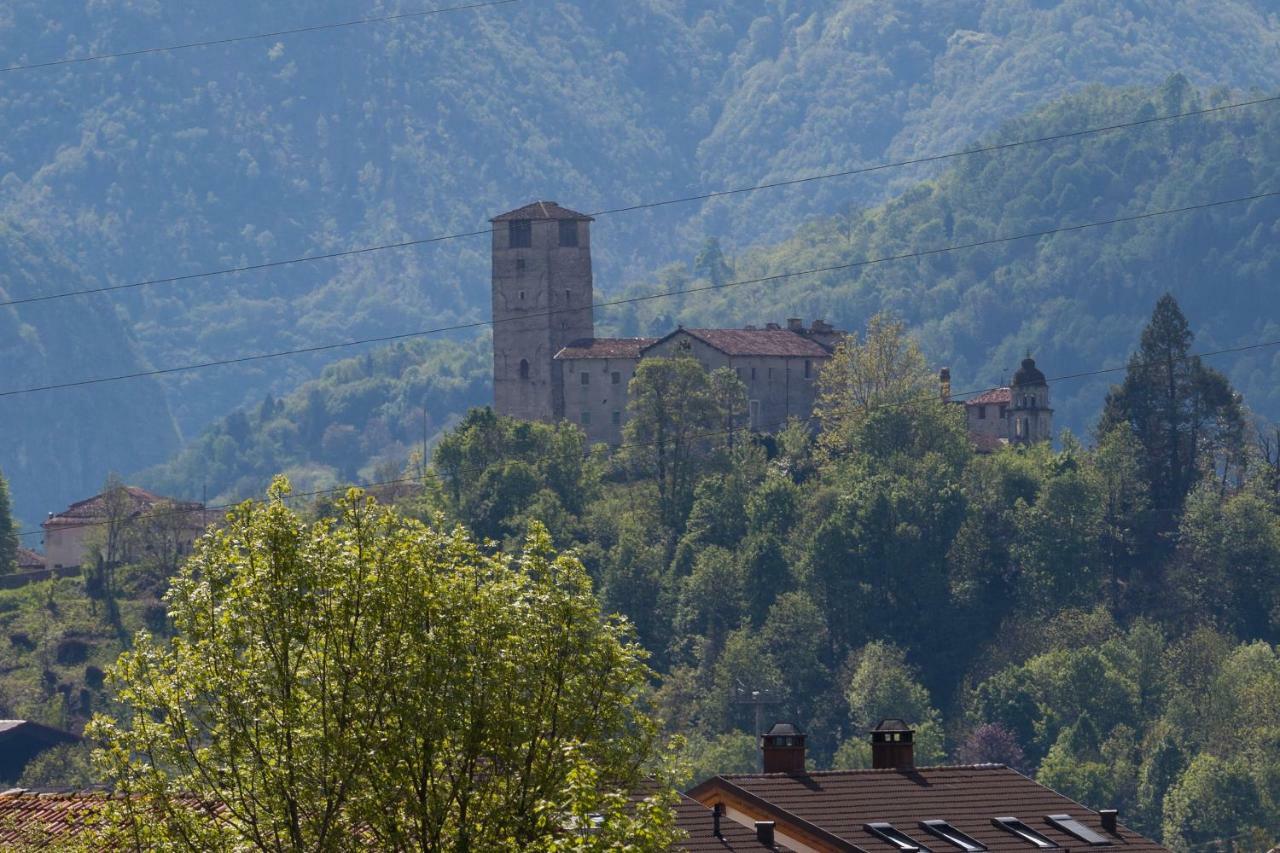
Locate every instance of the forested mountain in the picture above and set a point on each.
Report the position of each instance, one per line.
(173, 163)
(53, 446)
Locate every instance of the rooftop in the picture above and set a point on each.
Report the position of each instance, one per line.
(697, 821)
(95, 508)
(28, 560)
(541, 210)
(756, 342)
(840, 804)
(990, 397)
(605, 348)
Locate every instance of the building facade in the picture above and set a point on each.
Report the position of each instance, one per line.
(140, 521)
(549, 366)
(1018, 413)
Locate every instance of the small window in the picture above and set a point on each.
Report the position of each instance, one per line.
(949, 833)
(808, 369)
(520, 233)
(520, 266)
(1031, 401)
(586, 419)
(569, 232)
(585, 378)
(753, 374)
(615, 378)
(568, 294)
(1004, 412)
(1071, 826)
(1020, 829)
(617, 417)
(524, 368)
(522, 296)
(893, 836)
(753, 412)
(771, 373)
(982, 413)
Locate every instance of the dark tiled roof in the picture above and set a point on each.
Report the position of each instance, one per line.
(36, 731)
(987, 398)
(756, 342)
(695, 819)
(541, 210)
(605, 348)
(94, 508)
(841, 802)
(29, 560)
(30, 820)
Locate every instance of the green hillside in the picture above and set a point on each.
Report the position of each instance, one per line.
(174, 163)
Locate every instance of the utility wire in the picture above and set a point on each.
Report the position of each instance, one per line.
(313, 28)
(405, 244)
(923, 398)
(79, 383)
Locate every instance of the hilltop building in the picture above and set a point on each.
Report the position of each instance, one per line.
(69, 536)
(548, 365)
(1018, 413)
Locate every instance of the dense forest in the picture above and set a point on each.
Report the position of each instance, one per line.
(157, 165)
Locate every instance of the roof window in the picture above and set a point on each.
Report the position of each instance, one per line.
(949, 833)
(886, 830)
(1026, 833)
(1071, 826)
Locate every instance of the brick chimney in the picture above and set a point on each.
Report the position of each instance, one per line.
(783, 749)
(892, 747)
(795, 324)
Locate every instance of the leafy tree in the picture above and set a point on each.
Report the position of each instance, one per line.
(8, 533)
(1184, 415)
(673, 411)
(369, 679)
(883, 685)
(1214, 799)
(991, 743)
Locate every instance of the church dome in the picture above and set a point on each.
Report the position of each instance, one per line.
(1028, 374)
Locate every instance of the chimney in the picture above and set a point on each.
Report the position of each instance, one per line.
(944, 381)
(716, 812)
(795, 324)
(783, 749)
(891, 746)
(1109, 820)
(772, 327)
(764, 833)
(821, 326)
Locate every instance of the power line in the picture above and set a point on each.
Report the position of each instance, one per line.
(313, 28)
(845, 173)
(635, 299)
(923, 398)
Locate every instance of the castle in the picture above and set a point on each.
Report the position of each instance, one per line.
(548, 365)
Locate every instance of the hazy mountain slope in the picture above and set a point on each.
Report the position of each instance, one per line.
(54, 446)
(1077, 300)
(174, 163)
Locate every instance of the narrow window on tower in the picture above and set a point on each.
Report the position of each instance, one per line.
(569, 232)
(617, 417)
(520, 233)
(567, 294)
(808, 369)
(615, 378)
(586, 378)
(586, 419)
(524, 368)
(982, 413)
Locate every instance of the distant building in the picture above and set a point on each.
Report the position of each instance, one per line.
(29, 561)
(70, 535)
(548, 365)
(897, 807)
(1018, 413)
(23, 740)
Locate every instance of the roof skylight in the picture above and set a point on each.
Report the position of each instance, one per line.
(896, 837)
(949, 833)
(1026, 833)
(1071, 826)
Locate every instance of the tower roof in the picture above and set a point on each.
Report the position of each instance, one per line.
(542, 210)
(1028, 374)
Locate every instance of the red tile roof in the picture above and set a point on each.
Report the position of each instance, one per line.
(840, 803)
(31, 820)
(94, 508)
(696, 820)
(29, 560)
(756, 342)
(605, 348)
(994, 395)
(541, 210)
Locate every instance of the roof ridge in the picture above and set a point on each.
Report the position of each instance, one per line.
(870, 770)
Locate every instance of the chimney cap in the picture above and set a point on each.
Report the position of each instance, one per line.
(892, 724)
(784, 730)
(795, 324)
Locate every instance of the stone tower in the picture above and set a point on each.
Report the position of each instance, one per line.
(1032, 419)
(542, 298)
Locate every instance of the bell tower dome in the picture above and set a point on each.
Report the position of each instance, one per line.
(542, 296)
(1031, 416)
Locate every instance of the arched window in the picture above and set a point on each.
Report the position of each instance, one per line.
(524, 368)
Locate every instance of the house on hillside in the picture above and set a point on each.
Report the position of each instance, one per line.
(1018, 413)
(29, 561)
(129, 522)
(548, 365)
(897, 807)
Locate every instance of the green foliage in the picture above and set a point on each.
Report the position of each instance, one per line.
(8, 531)
(369, 679)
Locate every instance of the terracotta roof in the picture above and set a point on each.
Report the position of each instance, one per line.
(36, 818)
(605, 348)
(29, 560)
(759, 342)
(94, 508)
(541, 210)
(697, 822)
(994, 395)
(841, 803)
